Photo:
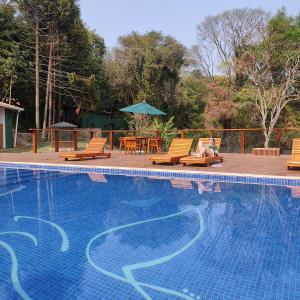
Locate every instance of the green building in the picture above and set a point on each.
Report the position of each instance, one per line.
(95, 120)
(101, 120)
(9, 118)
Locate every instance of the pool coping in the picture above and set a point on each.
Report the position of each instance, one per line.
(161, 173)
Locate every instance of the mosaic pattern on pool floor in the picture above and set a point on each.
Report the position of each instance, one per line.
(94, 236)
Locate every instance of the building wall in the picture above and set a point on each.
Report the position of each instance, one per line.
(9, 128)
(117, 124)
(94, 120)
(2, 121)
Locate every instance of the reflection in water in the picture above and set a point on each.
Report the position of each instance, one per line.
(295, 190)
(97, 177)
(181, 184)
(208, 186)
(202, 185)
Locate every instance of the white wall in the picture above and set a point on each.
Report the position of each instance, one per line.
(2, 121)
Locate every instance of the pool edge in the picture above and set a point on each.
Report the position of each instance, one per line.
(150, 172)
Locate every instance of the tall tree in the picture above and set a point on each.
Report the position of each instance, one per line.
(191, 93)
(273, 67)
(12, 55)
(146, 67)
(70, 57)
(222, 38)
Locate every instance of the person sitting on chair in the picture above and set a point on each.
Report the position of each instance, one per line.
(208, 150)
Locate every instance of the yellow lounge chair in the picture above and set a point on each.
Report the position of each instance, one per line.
(193, 160)
(295, 159)
(179, 148)
(94, 149)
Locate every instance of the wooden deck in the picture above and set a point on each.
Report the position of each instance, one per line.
(233, 163)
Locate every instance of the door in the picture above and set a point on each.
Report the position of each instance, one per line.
(1, 136)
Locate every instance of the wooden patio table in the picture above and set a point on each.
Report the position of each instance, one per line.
(136, 143)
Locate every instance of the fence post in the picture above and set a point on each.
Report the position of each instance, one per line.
(278, 137)
(182, 133)
(211, 133)
(56, 140)
(156, 133)
(75, 135)
(111, 140)
(91, 134)
(242, 142)
(34, 140)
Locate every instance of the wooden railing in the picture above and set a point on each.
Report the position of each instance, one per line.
(54, 136)
(110, 134)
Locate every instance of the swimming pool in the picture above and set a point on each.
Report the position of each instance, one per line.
(70, 235)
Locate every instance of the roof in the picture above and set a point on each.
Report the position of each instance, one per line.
(63, 125)
(11, 107)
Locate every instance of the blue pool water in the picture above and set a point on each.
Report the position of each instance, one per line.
(94, 236)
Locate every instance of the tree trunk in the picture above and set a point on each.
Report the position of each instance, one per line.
(10, 90)
(266, 144)
(46, 108)
(49, 78)
(59, 98)
(53, 94)
(37, 68)
(50, 106)
(267, 135)
(50, 100)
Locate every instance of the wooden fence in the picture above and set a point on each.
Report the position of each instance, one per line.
(55, 135)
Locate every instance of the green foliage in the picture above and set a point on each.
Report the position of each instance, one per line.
(244, 103)
(12, 56)
(191, 92)
(152, 67)
(159, 124)
(146, 67)
(80, 75)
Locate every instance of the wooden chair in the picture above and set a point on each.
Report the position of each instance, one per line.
(193, 160)
(154, 145)
(178, 148)
(142, 143)
(94, 149)
(131, 145)
(294, 162)
(123, 142)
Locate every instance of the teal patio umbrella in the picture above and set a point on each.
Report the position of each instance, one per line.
(144, 109)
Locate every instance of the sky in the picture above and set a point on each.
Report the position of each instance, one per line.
(178, 18)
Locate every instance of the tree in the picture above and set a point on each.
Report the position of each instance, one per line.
(11, 65)
(12, 56)
(146, 67)
(67, 61)
(273, 67)
(223, 37)
(219, 108)
(191, 92)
